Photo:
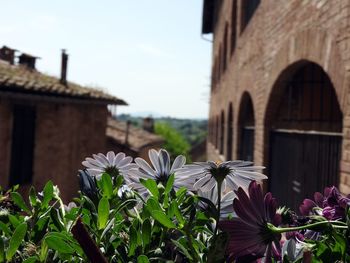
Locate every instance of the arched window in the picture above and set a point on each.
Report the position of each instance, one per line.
(217, 132)
(233, 25)
(246, 129)
(224, 59)
(305, 134)
(229, 132)
(222, 132)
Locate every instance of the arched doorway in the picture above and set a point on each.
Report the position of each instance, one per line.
(305, 126)
(246, 127)
(229, 133)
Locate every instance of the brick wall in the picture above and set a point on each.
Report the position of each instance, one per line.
(65, 134)
(279, 36)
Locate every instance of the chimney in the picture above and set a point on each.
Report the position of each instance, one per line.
(148, 124)
(8, 54)
(64, 64)
(27, 60)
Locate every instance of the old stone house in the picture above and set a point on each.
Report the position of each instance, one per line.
(280, 91)
(133, 141)
(48, 125)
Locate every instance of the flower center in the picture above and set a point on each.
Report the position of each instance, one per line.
(220, 173)
(112, 171)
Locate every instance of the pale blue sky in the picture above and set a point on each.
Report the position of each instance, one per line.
(147, 52)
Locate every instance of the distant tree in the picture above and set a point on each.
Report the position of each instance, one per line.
(174, 143)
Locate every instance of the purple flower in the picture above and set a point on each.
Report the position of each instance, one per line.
(331, 204)
(250, 235)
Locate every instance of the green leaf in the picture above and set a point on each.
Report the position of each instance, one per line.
(2, 250)
(162, 218)
(142, 259)
(56, 219)
(40, 229)
(16, 240)
(43, 252)
(33, 200)
(151, 185)
(48, 194)
(59, 242)
(152, 204)
(182, 249)
(106, 185)
(103, 213)
(178, 215)
(132, 242)
(5, 229)
(14, 220)
(31, 260)
(169, 184)
(18, 200)
(146, 232)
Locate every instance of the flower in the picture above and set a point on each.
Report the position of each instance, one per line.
(160, 171)
(87, 184)
(330, 205)
(251, 234)
(70, 206)
(111, 163)
(205, 175)
(212, 195)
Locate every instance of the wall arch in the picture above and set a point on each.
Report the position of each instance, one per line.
(304, 131)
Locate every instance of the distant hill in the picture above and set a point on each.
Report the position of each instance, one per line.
(193, 130)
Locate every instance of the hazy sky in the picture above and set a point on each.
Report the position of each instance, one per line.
(147, 52)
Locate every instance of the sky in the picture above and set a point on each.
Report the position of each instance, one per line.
(148, 52)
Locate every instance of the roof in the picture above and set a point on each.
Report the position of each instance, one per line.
(18, 78)
(137, 137)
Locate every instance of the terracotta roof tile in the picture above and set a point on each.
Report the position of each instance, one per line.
(18, 78)
(137, 138)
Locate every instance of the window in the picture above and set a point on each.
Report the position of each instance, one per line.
(225, 49)
(233, 25)
(22, 150)
(247, 11)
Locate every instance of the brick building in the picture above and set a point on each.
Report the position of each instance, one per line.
(133, 141)
(47, 125)
(280, 90)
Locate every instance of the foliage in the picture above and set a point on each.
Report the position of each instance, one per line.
(194, 131)
(166, 225)
(175, 144)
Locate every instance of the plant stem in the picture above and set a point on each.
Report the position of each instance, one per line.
(297, 228)
(219, 208)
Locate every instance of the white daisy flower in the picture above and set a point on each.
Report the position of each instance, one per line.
(160, 170)
(233, 174)
(226, 205)
(111, 163)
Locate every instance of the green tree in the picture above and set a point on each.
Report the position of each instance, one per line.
(174, 143)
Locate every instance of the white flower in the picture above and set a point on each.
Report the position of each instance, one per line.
(233, 174)
(160, 170)
(226, 205)
(111, 163)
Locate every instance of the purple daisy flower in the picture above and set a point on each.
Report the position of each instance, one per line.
(250, 235)
(330, 205)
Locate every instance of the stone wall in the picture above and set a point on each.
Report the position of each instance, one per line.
(279, 35)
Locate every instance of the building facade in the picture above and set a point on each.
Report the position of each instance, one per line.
(47, 125)
(280, 91)
(132, 140)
